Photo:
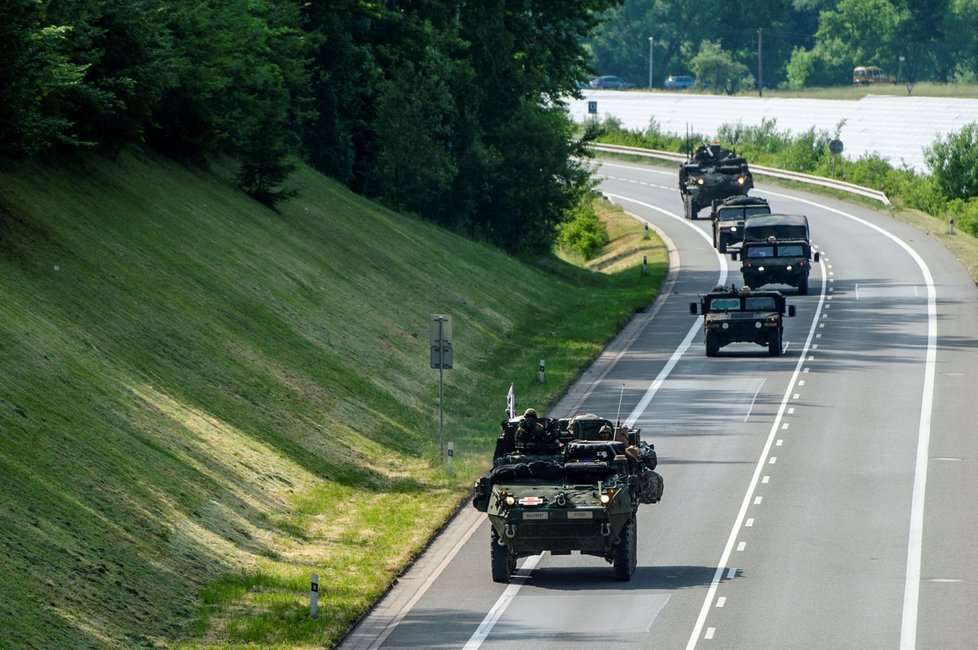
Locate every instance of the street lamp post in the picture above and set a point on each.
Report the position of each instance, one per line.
(760, 69)
(651, 42)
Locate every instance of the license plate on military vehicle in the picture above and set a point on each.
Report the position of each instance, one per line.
(583, 514)
(535, 515)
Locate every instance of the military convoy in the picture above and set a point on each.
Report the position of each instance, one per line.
(728, 217)
(564, 485)
(712, 173)
(777, 249)
(745, 316)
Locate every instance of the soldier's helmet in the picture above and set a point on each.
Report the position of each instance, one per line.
(605, 432)
(530, 413)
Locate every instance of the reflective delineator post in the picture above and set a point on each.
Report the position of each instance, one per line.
(314, 596)
(542, 375)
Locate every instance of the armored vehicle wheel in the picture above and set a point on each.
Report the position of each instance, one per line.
(715, 238)
(723, 246)
(712, 345)
(503, 562)
(803, 285)
(774, 344)
(626, 553)
(690, 207)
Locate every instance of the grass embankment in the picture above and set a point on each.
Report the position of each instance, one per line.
(203, 401)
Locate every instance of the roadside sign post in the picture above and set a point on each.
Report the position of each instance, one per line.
(835, 148)
(440, 336)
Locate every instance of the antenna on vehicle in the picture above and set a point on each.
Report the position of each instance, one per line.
(618, 416)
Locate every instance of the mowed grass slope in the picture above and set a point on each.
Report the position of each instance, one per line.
(202, 401)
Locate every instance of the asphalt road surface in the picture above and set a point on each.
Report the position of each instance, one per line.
(821, 499)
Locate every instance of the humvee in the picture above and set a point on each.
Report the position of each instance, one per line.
(776, 249)
(731, 316)
(728, 218)
(567, 490)
(712, 173)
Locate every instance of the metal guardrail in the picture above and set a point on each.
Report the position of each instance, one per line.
(755, 169)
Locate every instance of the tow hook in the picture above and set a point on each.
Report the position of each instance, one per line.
(510, 530)
(606, 529)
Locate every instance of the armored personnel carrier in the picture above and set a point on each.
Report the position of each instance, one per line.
(712, 173)
(728, 216)
(571, 485)
(777, 250)
(731, 316)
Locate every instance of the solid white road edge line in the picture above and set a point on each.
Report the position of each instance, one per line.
(911, 588)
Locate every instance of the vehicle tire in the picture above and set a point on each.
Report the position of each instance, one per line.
(803, 285)
(715, 238)
(687, 207)
(723, 245)
(502, 561)
(774, 343)
(712, 346)
(626, 553)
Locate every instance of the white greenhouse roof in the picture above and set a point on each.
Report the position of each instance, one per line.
(897, 128)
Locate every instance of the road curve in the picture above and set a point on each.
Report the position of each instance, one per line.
(819, 499)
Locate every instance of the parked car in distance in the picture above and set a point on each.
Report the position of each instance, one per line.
(612, 82)
(680, 82)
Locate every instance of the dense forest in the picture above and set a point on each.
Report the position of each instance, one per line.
(788, 44)
(448, 110)
(451, 111)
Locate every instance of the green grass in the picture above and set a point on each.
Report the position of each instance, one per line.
(921, 89)
(203, 402)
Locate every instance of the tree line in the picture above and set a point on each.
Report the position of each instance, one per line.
(450, 110)
(733, 44)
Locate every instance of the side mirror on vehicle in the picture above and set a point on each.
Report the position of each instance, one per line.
(694, 308)
(791, 310)
(817, 256)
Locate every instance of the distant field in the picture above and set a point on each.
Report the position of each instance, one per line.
(923, 89)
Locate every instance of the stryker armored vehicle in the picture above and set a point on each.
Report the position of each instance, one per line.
(712, 173)
(728, 218)
(776, 250)
(569, 485)
(731, 316)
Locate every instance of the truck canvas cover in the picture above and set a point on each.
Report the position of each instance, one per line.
(780, 226)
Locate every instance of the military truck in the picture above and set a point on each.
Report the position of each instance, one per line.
(728, 216)
(777, 250)
(712, 173)
(574, 485)
(745, 316)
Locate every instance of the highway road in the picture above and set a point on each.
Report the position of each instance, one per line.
(821, 499)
